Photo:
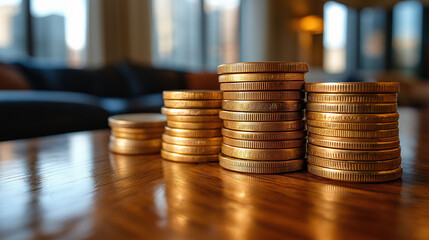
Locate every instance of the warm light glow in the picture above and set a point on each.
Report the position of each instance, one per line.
(311, 23)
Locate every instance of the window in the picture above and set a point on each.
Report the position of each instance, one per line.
(194, 34)
(58, 30)
(12, 39)
(372, 39)
(335, 37)
(407, 35)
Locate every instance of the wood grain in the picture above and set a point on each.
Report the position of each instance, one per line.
(71, 187)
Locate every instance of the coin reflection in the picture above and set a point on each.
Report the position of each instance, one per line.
(190, 194)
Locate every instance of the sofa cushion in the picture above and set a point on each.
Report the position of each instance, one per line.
(104, 82)
(147, 80)
(146, 103)
(37, 113)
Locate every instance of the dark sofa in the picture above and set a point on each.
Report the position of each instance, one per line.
(60, 100)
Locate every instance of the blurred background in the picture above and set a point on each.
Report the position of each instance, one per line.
(68, 64)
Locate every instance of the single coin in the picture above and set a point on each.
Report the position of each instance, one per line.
(353, 126)
(134, 150)
(189, 112)
(192, 150)
(355, 165)
(192, 133)
(265, 126)
(353, 87)
(153, 130)
(137, 120)
(249, 67)
(352, 98)
(357, 118)
(264, 144)
(260, 77)
(193, 125)
(353, 134)
(192, 95)
(241, 165)
(141, 136)
(352, 107)
(263, 106)
(351, 143)
(193, 103)
(133, 143)
(357, 155)
(214, 141)
(263, 154)
(180, 118)
(263, 136)
(262, 86)
(355, 176)
(264, 95)
(260, 117)
(177, 157)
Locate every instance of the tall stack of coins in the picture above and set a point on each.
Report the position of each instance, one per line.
(263, 116)
(193, 131)
(353, 131)
(138, 133)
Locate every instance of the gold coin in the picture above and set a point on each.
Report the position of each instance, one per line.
(192, 150)
(264, 95)
(260, 117)
(214, 141)
(140, 136)
(262, 86)
(351, 143)
(260, 77)
(139, 130)
(357, 118)
(193, 133)
(240, 165)
(177, 157)
(192, 95)
(262, 106)
(193, 125)
(353, 134)
(352, 107)
(249, 67)
(193, 103)
(189, 112)
(180, 118)
(357, 155)
(265, 126)
(264, 144)
(353, 87)
(353, 126)
(263, 154)
(263, 136)
(138, 120)
(352, 98)
(355, 176)
(355, 165)
(134, 150)
(134, 143)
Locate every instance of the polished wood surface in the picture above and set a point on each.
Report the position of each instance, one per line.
(71, 187)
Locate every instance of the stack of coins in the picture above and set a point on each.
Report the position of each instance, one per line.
(353, 131)
(263, 116)
(193, 131)
(138, 133)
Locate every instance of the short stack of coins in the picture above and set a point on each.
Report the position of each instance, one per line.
(138, 133)
(193, 131)
(353, 131)
(262, 110)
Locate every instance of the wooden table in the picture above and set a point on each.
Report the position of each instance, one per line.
(71, 187)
